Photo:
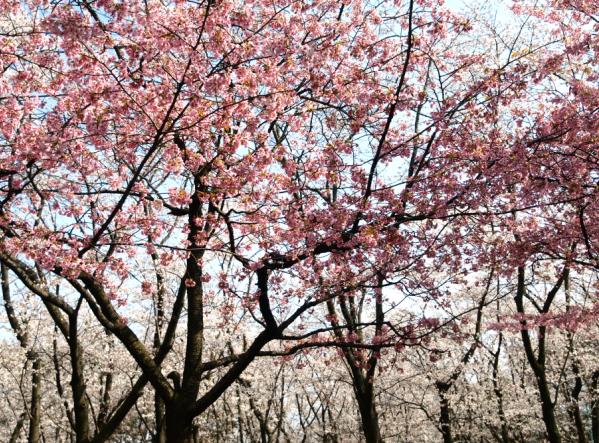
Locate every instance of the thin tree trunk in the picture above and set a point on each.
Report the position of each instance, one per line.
(159, 409)
(537, 363)
(14, 436)
(34, 418)
(575, 407)
(445, 413)
(595, 406)
(80, 405)
(505, 435)
(23, 338)
(363, 385)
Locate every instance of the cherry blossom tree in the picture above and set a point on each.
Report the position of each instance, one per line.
(172, 169)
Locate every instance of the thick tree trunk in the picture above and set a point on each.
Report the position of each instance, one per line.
(548, 409)
(179, 428)
(368, 413)
(160, 435)
(370, 423)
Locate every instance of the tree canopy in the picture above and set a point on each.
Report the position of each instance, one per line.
(203, 188)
